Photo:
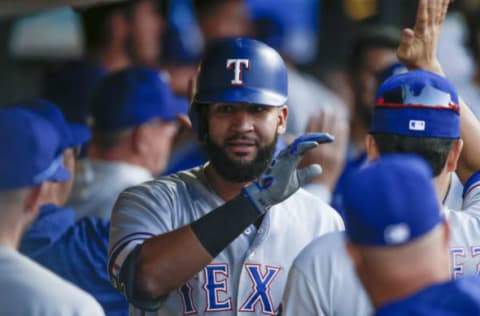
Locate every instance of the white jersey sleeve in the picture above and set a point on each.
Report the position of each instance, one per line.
(322, 281)
(471, 197)
(142, 212)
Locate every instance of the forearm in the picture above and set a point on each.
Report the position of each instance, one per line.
(169, 260)
(469, 161)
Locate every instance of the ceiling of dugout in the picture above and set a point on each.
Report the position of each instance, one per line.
(9, 8)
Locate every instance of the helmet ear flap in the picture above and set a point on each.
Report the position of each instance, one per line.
(198, 114)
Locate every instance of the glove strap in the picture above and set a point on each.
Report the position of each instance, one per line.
(220, 227)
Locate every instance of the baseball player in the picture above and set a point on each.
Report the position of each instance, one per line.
(201, 241)
(404, 121)
(30, 159)
(399, 242)
(75, 250)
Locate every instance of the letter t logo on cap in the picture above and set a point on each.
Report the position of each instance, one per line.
(237, 69)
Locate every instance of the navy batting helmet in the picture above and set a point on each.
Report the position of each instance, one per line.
(240, 70)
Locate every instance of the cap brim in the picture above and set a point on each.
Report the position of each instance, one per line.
(179, 106)
(60, 175)
(243, 95)
(80, 134)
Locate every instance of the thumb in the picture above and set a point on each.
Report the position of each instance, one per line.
(408, 35)
(306, 174)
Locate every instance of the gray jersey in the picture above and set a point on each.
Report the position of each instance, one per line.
(31, 290)
(249, 276)
(323, 281)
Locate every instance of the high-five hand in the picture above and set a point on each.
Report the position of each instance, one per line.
(418, 46)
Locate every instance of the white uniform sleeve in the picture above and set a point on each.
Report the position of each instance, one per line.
(140, 213)
(471, 196)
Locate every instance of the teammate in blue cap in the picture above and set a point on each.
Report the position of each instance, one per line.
(399, 243)
(31, 158)
(211, 239)
(136, 117)
(74, 250)
(415, 112)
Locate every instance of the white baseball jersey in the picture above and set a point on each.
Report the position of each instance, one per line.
(323, 281)
(31, 290)
(246, 278)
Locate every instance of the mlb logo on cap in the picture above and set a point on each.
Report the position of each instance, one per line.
(416, 125)
(417, 103)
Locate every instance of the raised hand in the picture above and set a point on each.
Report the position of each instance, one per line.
(282, 178)
(330, 156)
(418, 46)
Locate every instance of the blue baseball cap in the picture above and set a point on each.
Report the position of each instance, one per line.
(417, 103)
(458, 297)
(241, 70)
(391, 201)
(31, 147)
(71, 134)
(132, 97)
(71, 88)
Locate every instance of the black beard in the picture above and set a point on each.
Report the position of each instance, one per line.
(239, 171)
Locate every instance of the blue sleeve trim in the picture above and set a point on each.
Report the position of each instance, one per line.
(474, 179)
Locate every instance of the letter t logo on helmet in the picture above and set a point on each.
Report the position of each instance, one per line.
(237, 69)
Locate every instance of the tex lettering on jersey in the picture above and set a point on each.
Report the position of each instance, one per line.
(261, 283)
(459, 256)
(217, 298)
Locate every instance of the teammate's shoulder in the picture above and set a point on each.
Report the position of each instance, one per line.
(467, 217)
(170, 184)
(327, 243)
(31, 279)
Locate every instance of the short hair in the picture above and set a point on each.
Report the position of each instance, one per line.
(434, 150)
(202, 113)
(96, 30)
(104, 141)
(95, 26)
(371, 35)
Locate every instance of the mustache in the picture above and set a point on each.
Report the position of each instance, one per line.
(234, 138)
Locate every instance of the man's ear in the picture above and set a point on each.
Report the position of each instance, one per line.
(36, 197)
(446, 229)
(372, 149)
(139, 140)
(454, 155)
(282, 120)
